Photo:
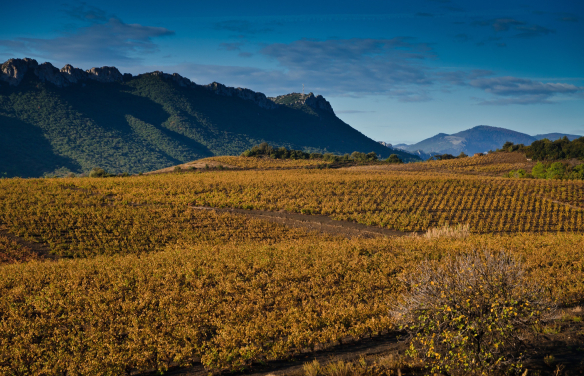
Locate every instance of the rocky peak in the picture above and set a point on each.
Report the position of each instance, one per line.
(14, 70)
(258, 98)
(105, 74)
(47, 72)
(180, 80)
(316, 102)
(72, 74)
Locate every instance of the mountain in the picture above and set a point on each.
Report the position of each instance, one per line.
(55, 121)
(479, 139)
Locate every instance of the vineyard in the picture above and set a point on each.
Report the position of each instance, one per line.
(144, 282)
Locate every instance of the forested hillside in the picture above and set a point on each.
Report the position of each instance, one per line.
(151, 121)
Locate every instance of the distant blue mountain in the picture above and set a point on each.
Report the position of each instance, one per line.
(479, 139)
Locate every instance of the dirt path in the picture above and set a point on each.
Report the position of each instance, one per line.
(347, 351)
(563, 344)
(320, 223)
(40, 249)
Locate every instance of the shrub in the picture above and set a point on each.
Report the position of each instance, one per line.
(98, 173)
(393, 158)
(468, 316)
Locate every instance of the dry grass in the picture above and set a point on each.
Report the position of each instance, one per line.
(459, 231)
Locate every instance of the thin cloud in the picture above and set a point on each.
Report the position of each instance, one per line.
(532, 31)
(88, 13)
(510, 24)
(514, 90)
(355, 66)
(108, 41)
(245, 54)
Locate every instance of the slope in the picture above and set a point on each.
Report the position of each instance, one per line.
(100, 118)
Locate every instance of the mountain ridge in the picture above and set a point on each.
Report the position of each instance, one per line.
(478, 139)
(69, 121)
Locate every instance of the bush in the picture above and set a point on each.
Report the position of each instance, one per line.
(393, 158)
(468, 316)
(98, 173)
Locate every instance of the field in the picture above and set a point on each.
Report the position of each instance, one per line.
(127, 275)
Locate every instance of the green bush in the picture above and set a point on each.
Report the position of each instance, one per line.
(393, 158)
(466, 317)
(98, 173)
(555, 170)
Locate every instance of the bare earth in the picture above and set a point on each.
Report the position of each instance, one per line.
(320, 223)
(192, 165)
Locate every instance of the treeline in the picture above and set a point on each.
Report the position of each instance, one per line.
(265, 150)
(444, 157)
(555, 170)
(546, 150)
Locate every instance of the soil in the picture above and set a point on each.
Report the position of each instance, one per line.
(314, 222)
(193, 166)
(41, 249)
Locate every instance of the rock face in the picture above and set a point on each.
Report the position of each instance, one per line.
(180, 80)
(72, 74)
(259, 98)
(46, 72)
(316, 102)
(14, 70)
(105, 74)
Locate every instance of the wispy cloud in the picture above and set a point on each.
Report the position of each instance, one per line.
(355, 66)
(106, 39)
(84, 12)
(510, 24)
(514, 90)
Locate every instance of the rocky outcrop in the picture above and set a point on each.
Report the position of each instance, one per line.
(105, 74)
(316, 102)
(72, 74)
(13, 70)
(46, 72)
(180, 80)
(258, 98)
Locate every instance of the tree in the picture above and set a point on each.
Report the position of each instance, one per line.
(393, 158)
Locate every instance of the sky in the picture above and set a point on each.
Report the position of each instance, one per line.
(397, 71)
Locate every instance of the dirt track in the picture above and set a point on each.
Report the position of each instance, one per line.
(320, 223)
(41, 249)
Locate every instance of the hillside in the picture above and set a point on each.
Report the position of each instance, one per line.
(59, 121)
(479, 139)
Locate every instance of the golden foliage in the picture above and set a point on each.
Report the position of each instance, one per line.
(231, 304)
(265, 163)
(12, 252)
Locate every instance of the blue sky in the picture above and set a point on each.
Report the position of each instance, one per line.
(397, 71)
